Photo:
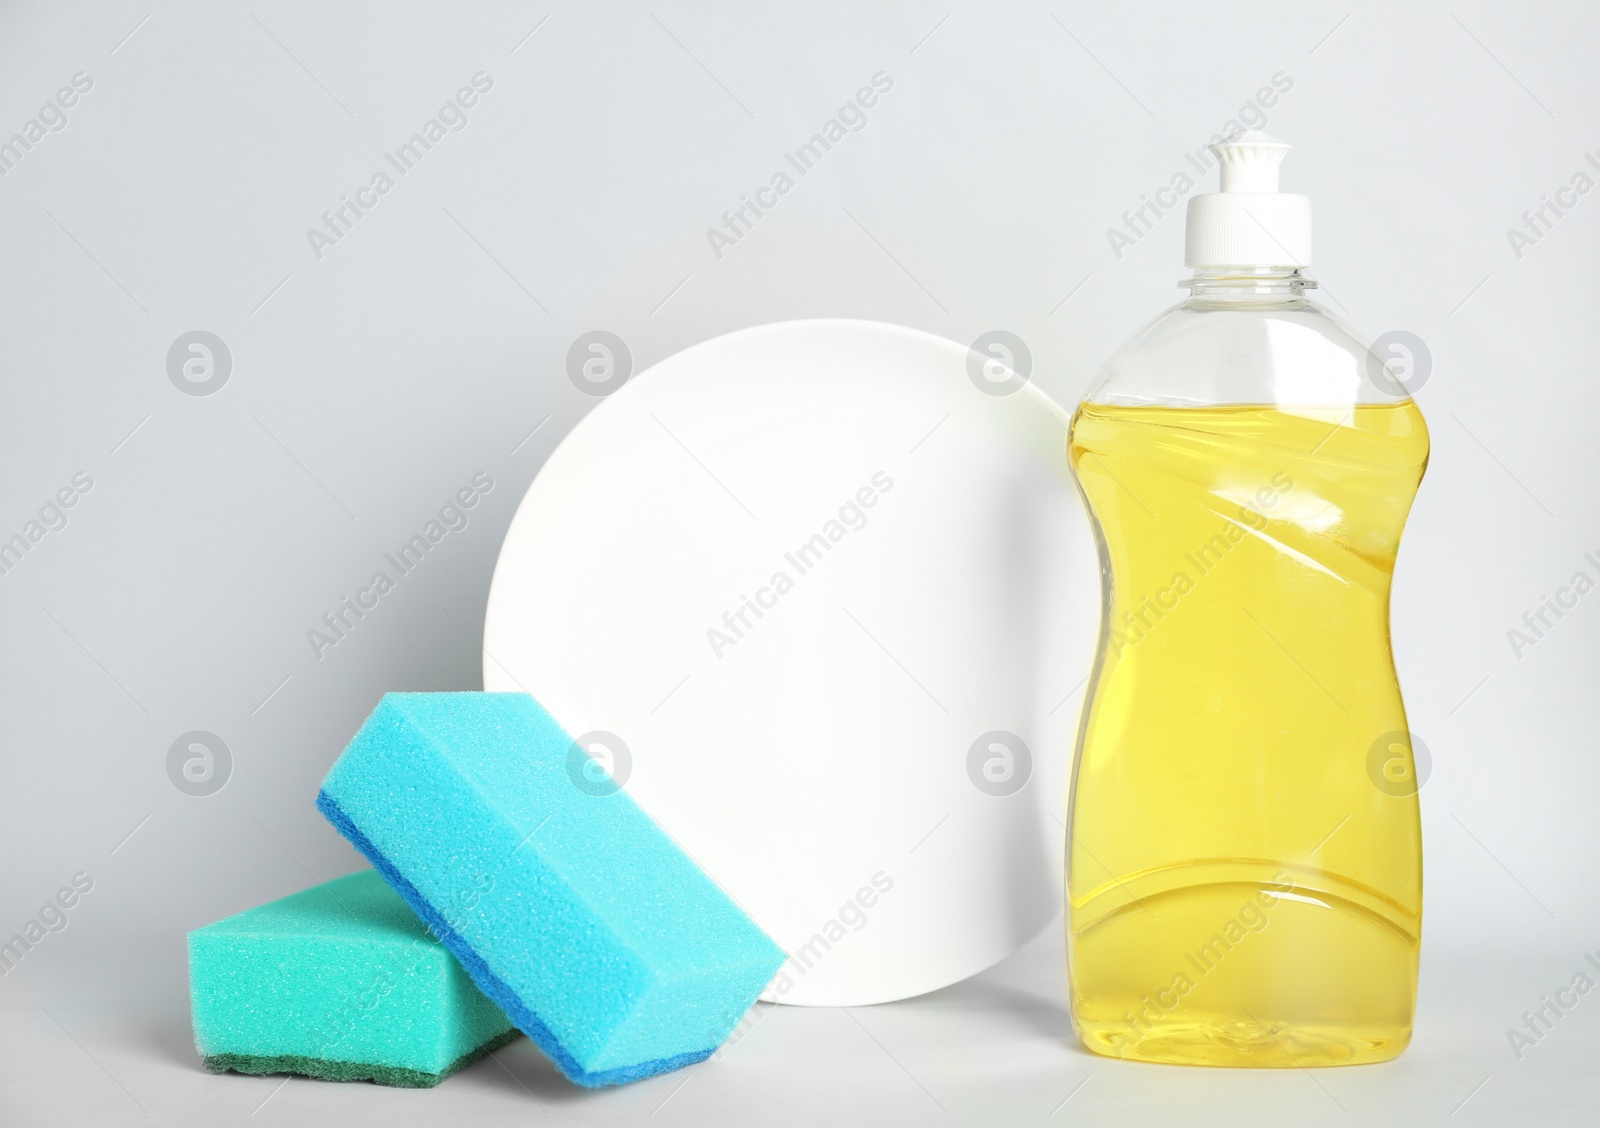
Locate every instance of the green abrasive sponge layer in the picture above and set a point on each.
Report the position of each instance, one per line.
(340, 981)
(601, 939)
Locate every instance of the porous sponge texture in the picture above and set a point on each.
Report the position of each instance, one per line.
(573, 910)
(339, 981)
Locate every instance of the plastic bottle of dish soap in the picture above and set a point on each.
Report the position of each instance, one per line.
(1244, 879)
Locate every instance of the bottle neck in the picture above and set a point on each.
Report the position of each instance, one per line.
(1248, 287)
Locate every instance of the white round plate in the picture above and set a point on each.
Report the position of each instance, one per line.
(824, 603)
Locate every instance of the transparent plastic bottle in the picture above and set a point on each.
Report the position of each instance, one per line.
(1244, 880)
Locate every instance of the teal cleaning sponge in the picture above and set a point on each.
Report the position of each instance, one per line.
(340, 981)
(568, 906)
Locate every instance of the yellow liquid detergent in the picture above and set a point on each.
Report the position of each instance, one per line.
(1244, 879)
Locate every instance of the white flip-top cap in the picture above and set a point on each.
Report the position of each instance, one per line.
(1249, 223)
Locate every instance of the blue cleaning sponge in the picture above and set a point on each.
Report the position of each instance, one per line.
(571, 909)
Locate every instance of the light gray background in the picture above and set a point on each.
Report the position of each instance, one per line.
(426, 346)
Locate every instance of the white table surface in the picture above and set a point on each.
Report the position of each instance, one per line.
(994, 1050)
